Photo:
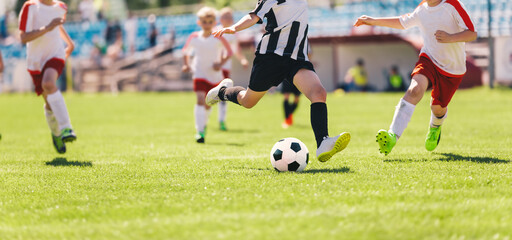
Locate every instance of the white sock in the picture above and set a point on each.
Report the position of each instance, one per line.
(223, 107)
(403, 114)
(208, 112)
(52, 122)
(59, 109)
(200, 115)
(437, 122)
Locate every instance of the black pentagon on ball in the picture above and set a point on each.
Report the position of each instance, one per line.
(295, 147)
(292, 167)
(307, 158)
(278, 155)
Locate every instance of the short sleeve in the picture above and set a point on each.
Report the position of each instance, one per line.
(411, 19)
(262, 8)
(26, 18)
(461, 16)
(188, 48)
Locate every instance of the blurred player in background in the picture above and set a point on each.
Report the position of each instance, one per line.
(206, 65)
(445, 27)
(226, 20)
(40, 25)
(288, 89)
(282, 54)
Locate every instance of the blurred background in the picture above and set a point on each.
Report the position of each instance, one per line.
(135, 45)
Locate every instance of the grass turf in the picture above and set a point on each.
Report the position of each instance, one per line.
(136, 172)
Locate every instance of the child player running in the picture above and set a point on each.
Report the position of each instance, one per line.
(445, 27)
(282, 54)
(40, 25)
(226, 20)
(206, 65)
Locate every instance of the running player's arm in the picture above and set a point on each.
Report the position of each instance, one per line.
(256, 16)
(391, 22)
(69, 42)
(224, 59)
(463, 20)
(186, 53)
(1, 63)
(464, 36)
(240, 55)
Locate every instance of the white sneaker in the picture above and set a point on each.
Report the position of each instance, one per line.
(331, 146)
(213, 95)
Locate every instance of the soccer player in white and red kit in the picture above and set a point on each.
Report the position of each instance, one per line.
(206, 65)
(445, 27)
(40, 25)
(226, 20)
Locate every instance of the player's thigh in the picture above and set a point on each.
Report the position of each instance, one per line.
(49, 81)
(250, 98)
(309, 84)
(419, 85)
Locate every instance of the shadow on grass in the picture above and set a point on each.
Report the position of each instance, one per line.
(243, 130)
(63, 162)
(450, 157)
(327, 170)
(226, 144)
(407, 160)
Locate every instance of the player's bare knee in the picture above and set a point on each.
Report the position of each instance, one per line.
(415, 92)
(438, 110)
(318, 94)
(49, 86)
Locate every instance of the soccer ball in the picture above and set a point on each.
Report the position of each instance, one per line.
(289, 154)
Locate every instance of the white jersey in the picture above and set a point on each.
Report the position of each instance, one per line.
(206, 51)
(449, 16)
(287, 28)
(35, 15)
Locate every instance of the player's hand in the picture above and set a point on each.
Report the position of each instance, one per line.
(217, 66)
(364, 20)
(228, 30)
(54, 23)
(185, 68)
(244, 63)
(443, 37)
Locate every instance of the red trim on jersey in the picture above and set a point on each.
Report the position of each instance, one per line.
(190, 38)
(441, 70)
(462, 13)
(62, 5)
(226, 45)
(24, 15)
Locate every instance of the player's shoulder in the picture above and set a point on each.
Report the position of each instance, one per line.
(194, 35)
(61, 4)
(29, 3)
(454, 5)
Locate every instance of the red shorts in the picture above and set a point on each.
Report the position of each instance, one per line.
(203, 85)
(443, 86)
(37, 77)
(226, 73)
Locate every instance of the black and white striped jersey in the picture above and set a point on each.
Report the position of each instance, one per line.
(287, 28)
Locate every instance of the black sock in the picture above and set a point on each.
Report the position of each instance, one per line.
(293, 107)
(230, 94)
(319, 121)
(286, 109)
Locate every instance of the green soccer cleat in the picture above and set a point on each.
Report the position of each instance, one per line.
(59, 145)
(222, 126)
(433, 138)
(200, 137)
(386, 140)
(68, 135)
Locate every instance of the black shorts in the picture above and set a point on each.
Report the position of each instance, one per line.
(271, 69)
(288, 87)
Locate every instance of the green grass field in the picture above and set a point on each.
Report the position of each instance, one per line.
(136, 172)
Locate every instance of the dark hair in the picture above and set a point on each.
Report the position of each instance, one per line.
(360, 62)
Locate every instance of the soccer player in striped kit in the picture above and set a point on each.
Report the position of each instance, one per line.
(282, 54)
(40, 25)
(445, 27)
